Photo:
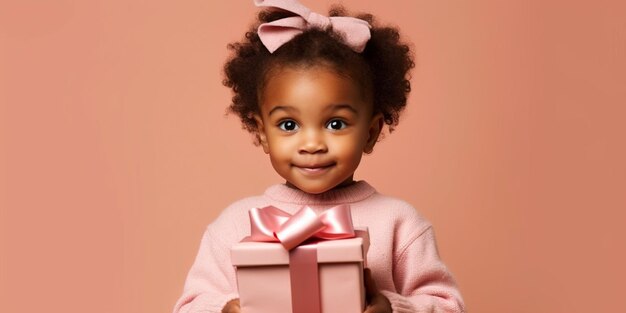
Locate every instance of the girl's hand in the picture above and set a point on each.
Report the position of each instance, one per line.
(376, 301)
(232, 307)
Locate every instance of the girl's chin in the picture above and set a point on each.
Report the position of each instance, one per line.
(308, 189)
(317, 189)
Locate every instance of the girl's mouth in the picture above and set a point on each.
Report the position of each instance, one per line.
(314, 170)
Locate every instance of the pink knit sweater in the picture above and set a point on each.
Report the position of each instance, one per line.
(402, 256)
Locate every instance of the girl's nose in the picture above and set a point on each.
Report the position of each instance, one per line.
(313, 142)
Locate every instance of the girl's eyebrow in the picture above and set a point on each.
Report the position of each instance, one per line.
(332, 107)
(281, 107)
(336, 107)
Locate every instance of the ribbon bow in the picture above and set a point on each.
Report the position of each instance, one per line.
(356, 32)
(274, 225)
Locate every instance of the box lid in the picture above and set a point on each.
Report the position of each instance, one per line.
(247, 253)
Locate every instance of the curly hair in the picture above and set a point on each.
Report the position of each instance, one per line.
(382, 68)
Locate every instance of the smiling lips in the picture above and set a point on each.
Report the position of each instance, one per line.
(314, 169)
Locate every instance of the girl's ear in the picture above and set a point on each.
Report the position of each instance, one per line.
(261, 133)
(376, 126)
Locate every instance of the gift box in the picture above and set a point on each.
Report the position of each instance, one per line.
(323, 276)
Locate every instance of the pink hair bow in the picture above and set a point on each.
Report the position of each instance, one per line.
(274, 225)
(355, 32)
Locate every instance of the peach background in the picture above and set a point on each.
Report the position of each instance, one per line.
(115, 152)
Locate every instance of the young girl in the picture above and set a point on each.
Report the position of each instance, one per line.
(316, 92)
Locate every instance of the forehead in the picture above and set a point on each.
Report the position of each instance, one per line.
(312, 87)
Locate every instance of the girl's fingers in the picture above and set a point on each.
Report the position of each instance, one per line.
(232, 307)
(377, 302)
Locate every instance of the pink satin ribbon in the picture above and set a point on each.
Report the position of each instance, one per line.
(274, 225)
(304, 280)
(271, 224)
(355, 32)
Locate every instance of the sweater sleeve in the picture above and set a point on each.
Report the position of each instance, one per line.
(209, 284)
(423, 282)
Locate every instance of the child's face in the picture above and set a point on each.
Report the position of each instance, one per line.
(315, 124)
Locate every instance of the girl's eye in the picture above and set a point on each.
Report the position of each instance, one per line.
(288, 125)
(336, 125)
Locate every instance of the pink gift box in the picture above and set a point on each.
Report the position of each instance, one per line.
(263, 275)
